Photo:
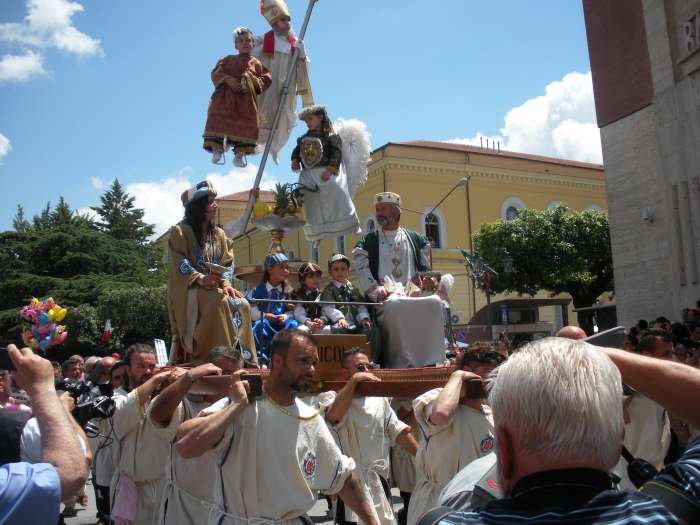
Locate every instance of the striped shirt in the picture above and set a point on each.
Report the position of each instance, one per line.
(585, 496)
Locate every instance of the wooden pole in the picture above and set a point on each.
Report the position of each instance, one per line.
(275, 122)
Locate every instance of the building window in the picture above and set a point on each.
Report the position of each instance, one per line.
(552, 205)
(433, 227)
(314, 255)
(369, 224)
(510, 208)
(432, 230)
(594, 207)
(290, 254)
(340, 244)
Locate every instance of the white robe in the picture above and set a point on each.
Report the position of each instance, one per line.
(647, 436)
(365, 433)
(142, 454)
(189, 483)
(446, 449)
(272, 465)
(268, 101)
(412, 328)
(328, 212)
(403, 464)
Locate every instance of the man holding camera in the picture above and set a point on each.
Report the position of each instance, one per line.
(31, 493)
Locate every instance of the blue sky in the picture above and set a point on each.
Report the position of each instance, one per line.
(92, 90)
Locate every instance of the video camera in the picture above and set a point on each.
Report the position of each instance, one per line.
(93, 397)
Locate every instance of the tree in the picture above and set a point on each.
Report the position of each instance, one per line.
(119, 217)
(19, 223)
(558, 250)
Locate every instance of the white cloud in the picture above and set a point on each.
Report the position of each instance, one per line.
(97, 183)
(4, 146)
(561, 123)
(48, 24)
(87, 211)
(161, 199)
(15, 68)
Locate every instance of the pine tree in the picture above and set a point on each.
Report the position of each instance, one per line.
(119, 217)
(19, 223)
(43, 220)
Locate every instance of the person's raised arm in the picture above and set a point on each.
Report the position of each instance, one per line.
(197, 435)
(674, 386)
(407, 441)
(343, 400)
(59, 444)
(166, 402)
(445, 405)
(352, 496)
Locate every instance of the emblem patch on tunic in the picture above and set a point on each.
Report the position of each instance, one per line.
(311, 151)
(308, 466)
(486, 444)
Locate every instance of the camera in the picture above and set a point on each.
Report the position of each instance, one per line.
(5, 361)
(92, 396)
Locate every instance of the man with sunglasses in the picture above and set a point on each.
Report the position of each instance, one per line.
(456, 430)
(365, 428)
(189, 484)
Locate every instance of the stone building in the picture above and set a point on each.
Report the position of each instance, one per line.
(645, 63)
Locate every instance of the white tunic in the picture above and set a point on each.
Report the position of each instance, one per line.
(269, 100)
(189, 483)
(446, 449)
(365, 433)
(647, 436)
(142, 454)
(403, 464)
(271, 465)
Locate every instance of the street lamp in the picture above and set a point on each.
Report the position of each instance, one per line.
(482, 274)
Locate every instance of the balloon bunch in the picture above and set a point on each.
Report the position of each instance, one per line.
(42, 329)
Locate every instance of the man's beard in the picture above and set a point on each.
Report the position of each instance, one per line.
(384, 221)
(299, 388)
(284, 33)
(133, 382)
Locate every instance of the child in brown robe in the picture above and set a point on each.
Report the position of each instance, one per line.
(232, 116)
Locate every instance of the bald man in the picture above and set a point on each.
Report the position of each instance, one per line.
(108, 363)
(572, 332)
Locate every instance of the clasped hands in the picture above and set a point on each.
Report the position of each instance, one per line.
(212, 280)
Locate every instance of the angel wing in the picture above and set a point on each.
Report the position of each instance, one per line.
(356, 150)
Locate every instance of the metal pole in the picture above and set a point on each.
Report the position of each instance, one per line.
(488, 312)
(275, 122)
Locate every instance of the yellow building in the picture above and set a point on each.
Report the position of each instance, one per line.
(424, 172)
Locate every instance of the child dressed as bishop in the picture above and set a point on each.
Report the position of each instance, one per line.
(232, 116)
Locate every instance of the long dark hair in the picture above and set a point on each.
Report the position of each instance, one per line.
(194, 216)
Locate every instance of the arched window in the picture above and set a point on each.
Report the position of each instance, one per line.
(290, 253)
(510, 207)
(314, 254)
(340, 244)
(553, 205)
(369, 224)
(433, 227)
(594, 207)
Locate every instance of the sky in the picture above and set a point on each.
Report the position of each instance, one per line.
(93, 90)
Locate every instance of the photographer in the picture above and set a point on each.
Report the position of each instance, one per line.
(31, 494)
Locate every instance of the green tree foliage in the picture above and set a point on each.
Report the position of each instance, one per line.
(558, 250)
(19, 223)
(62, 256)
(137, 315)
(119, 218)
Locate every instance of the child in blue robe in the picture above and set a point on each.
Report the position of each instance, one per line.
(270, 318)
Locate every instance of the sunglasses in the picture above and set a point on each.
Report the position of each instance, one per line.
(366, 368)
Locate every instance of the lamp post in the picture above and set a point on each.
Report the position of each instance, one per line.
(481, 274)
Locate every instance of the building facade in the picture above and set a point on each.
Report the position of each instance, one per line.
(424, 172)
(645, 64)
